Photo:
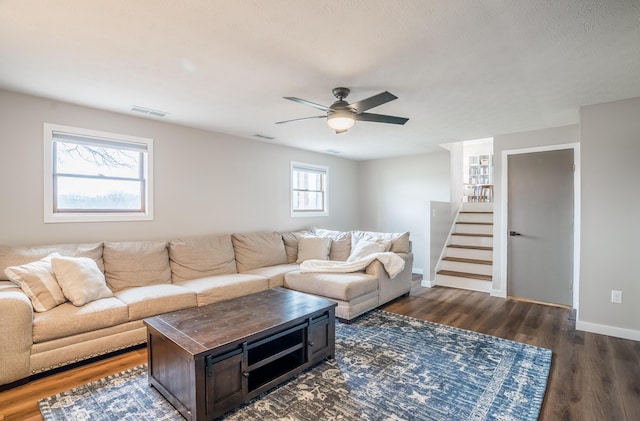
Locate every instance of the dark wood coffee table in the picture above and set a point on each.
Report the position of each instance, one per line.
(210, 359)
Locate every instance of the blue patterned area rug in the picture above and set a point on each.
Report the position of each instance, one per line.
(387, 367)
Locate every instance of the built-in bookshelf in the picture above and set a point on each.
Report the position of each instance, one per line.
(480, 169)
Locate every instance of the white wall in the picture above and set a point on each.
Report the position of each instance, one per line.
(610, 149)
(205, 182)
(456, 170)
(395, 196)
(443, 215)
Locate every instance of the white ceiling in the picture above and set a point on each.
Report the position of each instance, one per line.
(461, 69)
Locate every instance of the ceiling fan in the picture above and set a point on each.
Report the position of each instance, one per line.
(341, 115)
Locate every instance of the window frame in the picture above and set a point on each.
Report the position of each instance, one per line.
(298, 166)
(146, 176)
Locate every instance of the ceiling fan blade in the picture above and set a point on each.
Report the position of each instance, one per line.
(380, 118)
(305, 102)
(303, 118)
(374, 101)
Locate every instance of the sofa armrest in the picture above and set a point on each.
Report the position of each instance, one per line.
(376, 268)
(388, 289)
(16, 327)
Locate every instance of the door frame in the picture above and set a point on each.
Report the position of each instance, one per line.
(503, 227)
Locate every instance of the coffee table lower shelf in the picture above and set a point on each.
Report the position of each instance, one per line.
(205, 366)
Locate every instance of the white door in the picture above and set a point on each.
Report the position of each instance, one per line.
(540, 212)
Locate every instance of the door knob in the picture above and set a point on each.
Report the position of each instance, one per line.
(514, 233)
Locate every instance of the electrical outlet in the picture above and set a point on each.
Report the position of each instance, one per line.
(616, 296)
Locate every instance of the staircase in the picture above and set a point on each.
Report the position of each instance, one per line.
(467, 260)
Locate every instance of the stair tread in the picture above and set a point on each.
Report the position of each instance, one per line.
(460, 246)
(465, 275)
(474, 223)
(466, 260)
(472, 234)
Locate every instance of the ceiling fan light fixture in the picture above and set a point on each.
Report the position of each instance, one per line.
(341, 120)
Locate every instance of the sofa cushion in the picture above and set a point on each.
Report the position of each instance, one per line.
(275, 274)
(152, 300)
(258, 249)
(197, 257)
(339, 286)
(67, 319)
(399, 240)
(136, 263)
(291, 243)
(37, 280)
(80, 279)
(223, 287)
(340, 243)
(313, 248)
(15, 256)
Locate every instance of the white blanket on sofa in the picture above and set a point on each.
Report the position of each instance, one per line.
(393, 264)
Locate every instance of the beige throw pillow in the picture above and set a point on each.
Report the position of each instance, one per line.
(366, 248)
(80, 279)
(38, 282)
(313, 248)
(290, 240)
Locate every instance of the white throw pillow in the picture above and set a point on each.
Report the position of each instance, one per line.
(80, 279)
(38, 282)
(313, 248)
(366, 248)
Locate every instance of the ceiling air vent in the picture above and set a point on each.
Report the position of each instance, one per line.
(149, 111)
(263, 137)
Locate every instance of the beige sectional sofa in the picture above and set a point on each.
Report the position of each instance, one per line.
(71, 302)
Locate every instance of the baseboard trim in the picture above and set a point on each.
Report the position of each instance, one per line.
(617, 332)
(544, 303)
(427, 284)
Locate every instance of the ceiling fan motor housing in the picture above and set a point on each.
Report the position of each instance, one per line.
(341, 93)
(339, 105)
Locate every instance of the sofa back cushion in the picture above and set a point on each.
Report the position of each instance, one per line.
(291, 243)
(399, 240)
(136, 263)
(197, 257)
(20, 255)
(258, 250)
(340, 243)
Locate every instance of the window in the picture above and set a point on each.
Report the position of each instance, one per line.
(308, 189)
(93, 176)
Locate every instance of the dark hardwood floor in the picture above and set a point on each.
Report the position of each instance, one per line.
(593, 377)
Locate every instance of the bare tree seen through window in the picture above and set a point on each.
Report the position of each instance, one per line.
(97, 178)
